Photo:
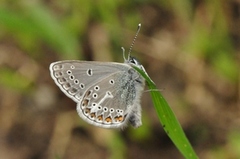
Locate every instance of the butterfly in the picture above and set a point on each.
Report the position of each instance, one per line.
(107, 93)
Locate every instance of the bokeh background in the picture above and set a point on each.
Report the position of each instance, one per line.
(191, 49)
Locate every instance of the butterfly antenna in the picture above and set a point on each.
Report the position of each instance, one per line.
(130, 49)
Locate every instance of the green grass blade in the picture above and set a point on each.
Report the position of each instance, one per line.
(169, 120)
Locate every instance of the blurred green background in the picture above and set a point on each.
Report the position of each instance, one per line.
(189, 48)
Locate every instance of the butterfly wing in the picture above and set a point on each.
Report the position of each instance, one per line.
(74, 77)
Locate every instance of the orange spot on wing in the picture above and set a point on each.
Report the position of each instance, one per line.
(85, 102)
(93, 115)
(108, 119)
(100, 117)
(87, 110)
(119, 118)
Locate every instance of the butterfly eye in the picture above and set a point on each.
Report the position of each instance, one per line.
(134, 61)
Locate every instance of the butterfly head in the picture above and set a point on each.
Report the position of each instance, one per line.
(133, 61)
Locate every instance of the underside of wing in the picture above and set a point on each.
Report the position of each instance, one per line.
(74, 77)
(111, 102)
